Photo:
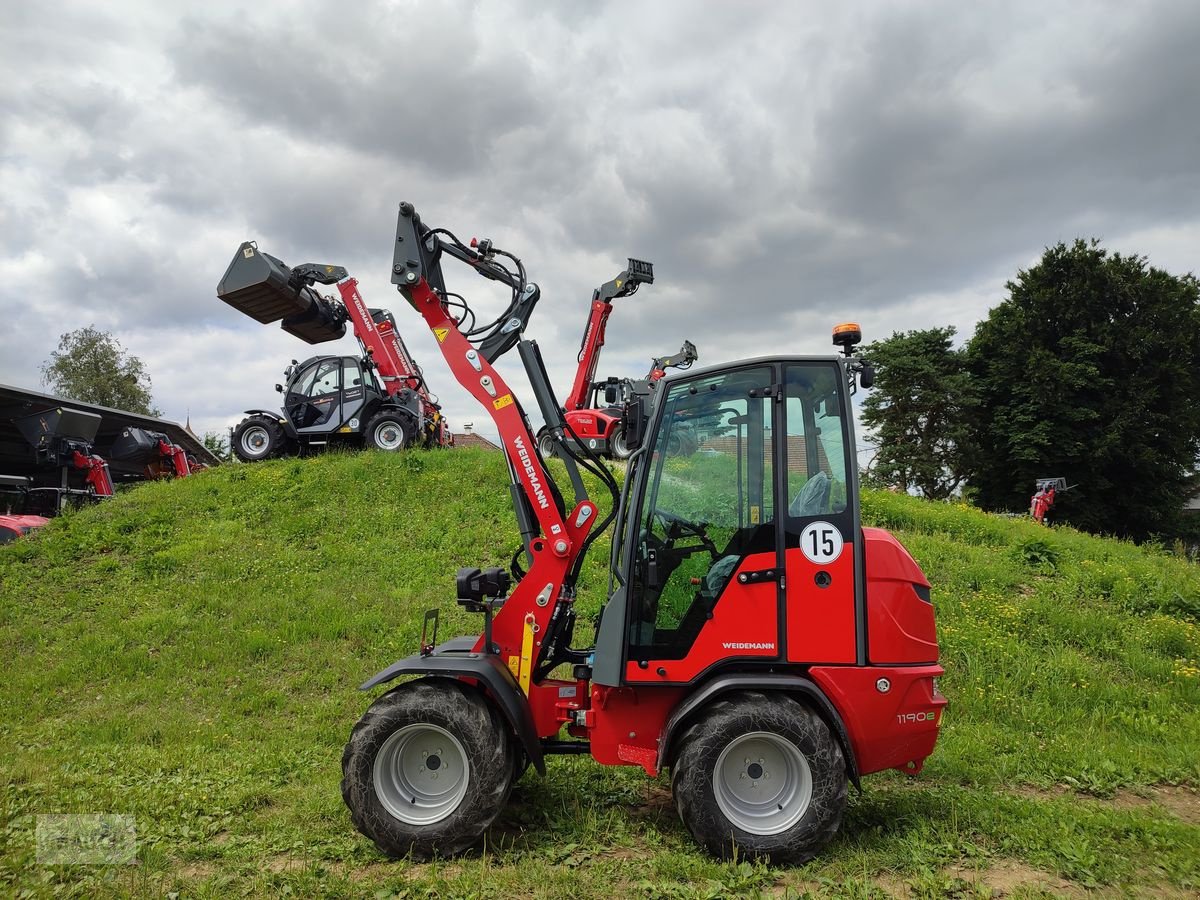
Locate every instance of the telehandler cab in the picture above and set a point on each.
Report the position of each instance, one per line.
(756, 641)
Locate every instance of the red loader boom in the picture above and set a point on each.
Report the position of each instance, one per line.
(756, 640)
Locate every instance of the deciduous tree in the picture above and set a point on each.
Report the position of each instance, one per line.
(1090, 370)
(91, 365)
(920, 411)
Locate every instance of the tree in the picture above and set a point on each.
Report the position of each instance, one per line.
(920, 411)
(1090, 370)
(217, 444)
(91, 366)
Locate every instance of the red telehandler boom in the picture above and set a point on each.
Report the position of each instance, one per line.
(599, 427)
(756, 640)
(379, 399)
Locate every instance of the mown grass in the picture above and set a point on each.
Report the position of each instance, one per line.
(187, 654)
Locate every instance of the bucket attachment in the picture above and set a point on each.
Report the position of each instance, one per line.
(260, 286)
(44, 429)
(136, 445)
(318, 323)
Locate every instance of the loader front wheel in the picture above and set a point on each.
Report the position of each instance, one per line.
(257, 438)
(427, 769)
(760, 775)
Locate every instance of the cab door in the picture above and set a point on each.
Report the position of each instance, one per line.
(314, 395)
(704, 584)
(822, 542)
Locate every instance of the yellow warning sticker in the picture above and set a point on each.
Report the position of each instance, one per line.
(514, 665)
(618, 283)
(440, 334)
(501, 402)
(755, 515)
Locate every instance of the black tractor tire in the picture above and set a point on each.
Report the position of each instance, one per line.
(721, 779)
(389, 775)
(617, 448)
(257, 438)
(390, 430)
(547, 446)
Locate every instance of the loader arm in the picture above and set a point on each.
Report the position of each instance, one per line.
(554, 536)
(682, 360)
(625, 284)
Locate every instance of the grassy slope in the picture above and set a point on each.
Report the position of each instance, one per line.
(187, 654)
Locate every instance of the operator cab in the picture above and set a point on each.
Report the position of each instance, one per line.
(735, 550)
(325, 392)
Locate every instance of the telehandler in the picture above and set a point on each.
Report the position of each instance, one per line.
(756, 642)
(379, 399)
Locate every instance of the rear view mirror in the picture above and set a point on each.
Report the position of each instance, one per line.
(867, 377)
(610, 394)
(634, 421)
(279, 388)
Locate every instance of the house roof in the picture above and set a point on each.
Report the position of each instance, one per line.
(462, 441)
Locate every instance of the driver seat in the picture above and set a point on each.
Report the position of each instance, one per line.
(812, 499)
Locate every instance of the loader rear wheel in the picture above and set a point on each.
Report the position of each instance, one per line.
(427, 769)
(389, 431)
(760, 774)
(257, 438)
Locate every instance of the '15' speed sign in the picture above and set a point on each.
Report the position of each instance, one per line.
(821, 543)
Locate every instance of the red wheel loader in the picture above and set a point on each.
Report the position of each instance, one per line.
(588, 423)
(62, 439)
(378, 400)
(756, 640)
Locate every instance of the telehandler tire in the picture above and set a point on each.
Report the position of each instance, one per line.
(257, 438)
(427, 769)
(547, 446)
(618, 447)
(760, 775)
(390, 431)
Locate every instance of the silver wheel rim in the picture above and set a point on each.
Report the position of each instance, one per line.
(421, 774)
(255, 441)
(389, 436)
(619, 447)
(762, 783)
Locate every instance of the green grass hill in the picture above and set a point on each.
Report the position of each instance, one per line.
(188, 654)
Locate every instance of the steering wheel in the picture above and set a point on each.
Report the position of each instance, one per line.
(677, 527)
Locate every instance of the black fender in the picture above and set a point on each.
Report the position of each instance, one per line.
(274, 414)
(449, 661)
(761, 682)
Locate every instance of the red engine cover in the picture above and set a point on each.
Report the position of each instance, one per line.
(900, 627)
(12, 527)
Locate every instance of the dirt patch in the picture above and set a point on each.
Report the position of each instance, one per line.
(1008, 875)
(1181, 802)
(194, 871)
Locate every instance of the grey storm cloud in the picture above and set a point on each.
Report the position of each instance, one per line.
(784, 166)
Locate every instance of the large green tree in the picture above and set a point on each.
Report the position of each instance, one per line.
(919, 412)
(91, 365)
(1090, 370)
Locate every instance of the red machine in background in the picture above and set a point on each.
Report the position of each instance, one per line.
(161, 458)
(62, 439)
(755, 639)
(588, 423)
(379, 399)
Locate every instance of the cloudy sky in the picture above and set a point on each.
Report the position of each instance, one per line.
(784, 165)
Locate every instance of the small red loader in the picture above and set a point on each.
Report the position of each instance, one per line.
(588, 423)
(756, 642)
